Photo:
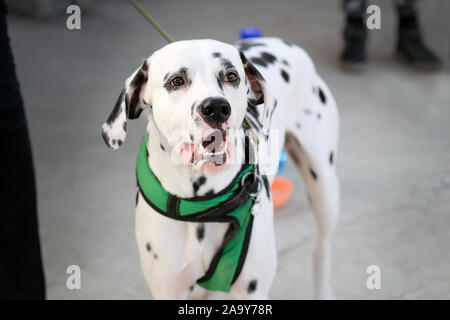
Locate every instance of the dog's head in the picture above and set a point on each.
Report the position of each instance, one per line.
(197, 92)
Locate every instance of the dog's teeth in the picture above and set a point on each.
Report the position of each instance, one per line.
(225, 146)
(198, 165)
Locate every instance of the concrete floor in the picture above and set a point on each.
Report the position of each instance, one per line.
(394, 162)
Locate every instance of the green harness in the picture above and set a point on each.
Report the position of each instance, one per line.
(232, 205)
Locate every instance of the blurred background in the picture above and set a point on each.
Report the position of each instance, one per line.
(394, 161)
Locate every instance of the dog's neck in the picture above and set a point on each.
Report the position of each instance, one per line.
(180, 180)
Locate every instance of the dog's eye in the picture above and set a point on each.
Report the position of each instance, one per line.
(177, 81)
(231, 77)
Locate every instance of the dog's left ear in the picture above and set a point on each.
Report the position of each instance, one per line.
(257, 92)
(255, 81)
(129, 105)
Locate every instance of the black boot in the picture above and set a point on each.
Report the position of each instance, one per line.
(355, 34)
(410, 44)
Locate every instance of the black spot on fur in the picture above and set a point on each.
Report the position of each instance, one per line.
(331, 158)
(227, 64)
(209, 193)
(191, 288)
(197, 184)
(269, 58)
(258, 61)
(116, 111)
(287, 43)
(216, 54)
(273, 109)
(285, 62)
(145, 66)
(252, 110)
(249, 68)
(297, 124)
(322, 96)
(244, 46)
(113, 141)
(192, 109)
(313, 173)
(148, 247)
(319, 116)
(155, 256)
(137, 197)
(307, 111)
(105, 137)
(266, 185)
(285, 75)
(166, 76)
(200, 232)
(124, 126)
(252, 286)
(119, 142)
(219, 83)
(162, 147)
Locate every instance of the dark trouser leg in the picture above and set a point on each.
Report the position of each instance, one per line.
(21, 274)
(405, 7)
(355, 8)
(355, 32)
(410, 41)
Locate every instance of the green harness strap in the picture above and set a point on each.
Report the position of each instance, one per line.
(233, 205)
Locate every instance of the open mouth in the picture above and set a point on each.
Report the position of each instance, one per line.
(211, 155)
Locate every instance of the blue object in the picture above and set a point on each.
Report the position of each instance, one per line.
(250, 32)
(283, 158)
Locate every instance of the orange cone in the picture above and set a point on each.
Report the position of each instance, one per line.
(281, 191)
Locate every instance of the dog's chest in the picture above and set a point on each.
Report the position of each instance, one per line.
(185, 248)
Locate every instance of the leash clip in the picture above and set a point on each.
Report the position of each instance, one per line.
(254, 195)
(256, 205)
(255, 179)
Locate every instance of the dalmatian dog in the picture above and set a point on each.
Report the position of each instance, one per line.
(193, 87)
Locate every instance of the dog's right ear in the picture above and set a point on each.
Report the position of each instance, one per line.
(129, 105)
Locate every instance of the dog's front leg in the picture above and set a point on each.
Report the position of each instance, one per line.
(162, 252)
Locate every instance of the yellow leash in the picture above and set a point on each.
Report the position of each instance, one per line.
(150, 19)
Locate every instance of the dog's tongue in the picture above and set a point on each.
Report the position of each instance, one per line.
(187, 153)
(211, 150)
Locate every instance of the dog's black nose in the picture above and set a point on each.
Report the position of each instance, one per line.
(215, 110)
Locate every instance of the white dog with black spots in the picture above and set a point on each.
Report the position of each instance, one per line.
(197, 88)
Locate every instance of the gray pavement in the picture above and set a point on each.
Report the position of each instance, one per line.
(394, 162)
